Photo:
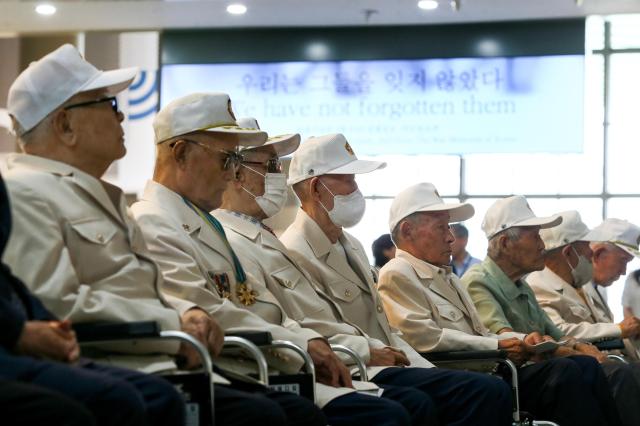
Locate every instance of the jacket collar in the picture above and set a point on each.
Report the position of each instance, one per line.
(510, 289)
(324, 250)
(436, 278)
(192, 224)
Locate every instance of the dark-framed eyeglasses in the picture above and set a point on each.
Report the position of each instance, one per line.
(273, 165)
(111, 99)
(230, 158)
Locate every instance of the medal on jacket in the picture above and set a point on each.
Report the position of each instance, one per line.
(221, 281)
(245, 295)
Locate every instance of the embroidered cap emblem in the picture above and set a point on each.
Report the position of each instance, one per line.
(349, 149)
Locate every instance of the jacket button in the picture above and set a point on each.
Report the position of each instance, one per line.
(380, 309)
(100, 238)
(347, 293)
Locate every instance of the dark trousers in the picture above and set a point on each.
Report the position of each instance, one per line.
(30, 405)
(624, 381)
(555, 390)
(248, 408)
(462, 398)
(115, 396)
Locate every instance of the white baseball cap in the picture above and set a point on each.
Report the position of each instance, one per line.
(570, 230)
(513, 212)
(282, 144)
(210, 112)
(51, 81)
(622, 233)
(424, 197)
(327, 155)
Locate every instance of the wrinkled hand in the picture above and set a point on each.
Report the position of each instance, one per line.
(534, 338)
(203, 327)
(517, 350)
(387, 357)
(630, 327)
(591, 350)
(330, 370)
(54, 340)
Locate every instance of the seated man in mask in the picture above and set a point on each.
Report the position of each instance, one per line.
(505, 303)
(322, 174)
(424, 299)
(193, 168)
(264, 257)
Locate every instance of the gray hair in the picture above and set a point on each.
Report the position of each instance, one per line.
(513, 234)
(413, 218)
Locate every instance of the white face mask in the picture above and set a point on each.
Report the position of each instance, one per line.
(275, 192)
(347, 210)
(583, 272)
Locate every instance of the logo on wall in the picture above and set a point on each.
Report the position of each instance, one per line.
(143, 95)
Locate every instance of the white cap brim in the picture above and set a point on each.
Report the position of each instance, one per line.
(283, 145)
(542, 222)
(246, 137)
(115, 80)
(632, 251)
(357, 167)
(458, 212)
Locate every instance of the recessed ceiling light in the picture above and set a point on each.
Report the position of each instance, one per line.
(45, 9)
(237, 9)
(428, 4)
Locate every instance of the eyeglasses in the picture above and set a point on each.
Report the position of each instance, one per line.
(111, 99)
(273, 165)
(230, 158)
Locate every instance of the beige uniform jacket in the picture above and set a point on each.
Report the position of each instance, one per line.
(347, 281)
(74, 245)
(266, 259)
(568, 311)
(430, 308)
(197, 267)
(601, 310)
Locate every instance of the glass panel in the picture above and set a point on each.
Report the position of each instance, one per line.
(629, 209)
(623, 150)
(594, 33)
(406, 170)
(536, 173)
(625, 31)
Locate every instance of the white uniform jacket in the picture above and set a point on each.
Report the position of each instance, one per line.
(75, 246)
(198, 268)
(266, 259)
(347, 281)
(430, 308)
(569, 312)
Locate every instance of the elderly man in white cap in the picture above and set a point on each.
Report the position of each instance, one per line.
(559, 290)
(257, 193)
(322, 173)
(610, 257)
(506, 303)
(560, 286)
(196, 156)
(73, 243)
(426, 302)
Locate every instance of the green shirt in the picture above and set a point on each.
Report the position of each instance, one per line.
(501, 303)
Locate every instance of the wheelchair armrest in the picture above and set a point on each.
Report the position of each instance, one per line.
(609, 344)
(99, 331)
(258, 338)
(464, 355)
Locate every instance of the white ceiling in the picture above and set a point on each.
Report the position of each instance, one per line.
(79, 15)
